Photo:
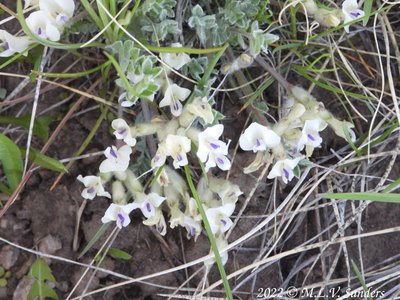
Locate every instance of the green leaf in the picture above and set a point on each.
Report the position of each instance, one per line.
(44, 161)
(361, 279)
(41, 271)
(3, 282)
(40, 127)
(10, 157)
(41, 290)
(119, 254)
(378, 197)
(367, 10)
(95, 238)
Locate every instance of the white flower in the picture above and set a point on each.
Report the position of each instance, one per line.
(310, 135)
(351, 12)
(172, 97)
(44, 25)
(218, 218)
(117, 160)
(123, 101)
(61, 10)
(258, 138)
(177, 146)
(13, 44)
(93, 187)
(175, 60)
(118, 213)
(192, 226)
(123, 132)
(201, 108)
(149, 204)
(284, 168)
(212, 150)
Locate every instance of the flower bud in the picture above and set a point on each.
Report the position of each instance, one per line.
(118, 193)
(132, 184)
(244, 60)
(310, 6)
(327, 18)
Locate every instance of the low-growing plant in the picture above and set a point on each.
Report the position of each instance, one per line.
(166, 61)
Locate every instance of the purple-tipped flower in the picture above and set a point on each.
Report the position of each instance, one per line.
(310, 137)
(117, 159)
(173, 96)
(218, 217)
(284, 169)
(13, 44)
(351, 12)
(118, 213)
(123, 132)
(212, 150)
(258, 138)
(93, 187)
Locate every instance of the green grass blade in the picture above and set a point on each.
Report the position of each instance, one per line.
(11, 161)
(210, 235)
(74, 75)
(361, 279)
(367, 10)
(378, 197)
(95, 238)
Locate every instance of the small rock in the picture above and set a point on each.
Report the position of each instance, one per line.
(22, 289)
(8, 257)
(62, 286)
(50, 244)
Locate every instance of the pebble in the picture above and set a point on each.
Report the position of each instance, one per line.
(50, 244)
(8, 256)
(23, 288)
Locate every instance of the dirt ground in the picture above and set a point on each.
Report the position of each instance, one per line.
(39, 213)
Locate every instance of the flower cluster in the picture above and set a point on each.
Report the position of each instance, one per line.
(192, 133)
(284, 142)
(47, 22)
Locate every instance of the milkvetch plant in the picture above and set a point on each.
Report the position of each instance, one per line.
(167, 64)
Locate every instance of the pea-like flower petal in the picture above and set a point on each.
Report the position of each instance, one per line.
(93, 187)
(258, 138)
(13, 44)
(218, 217)
(123, 132)
(212, 150)
(118, 213)
(175, 60)
(351, 12)
(284, 168)
(177, 146)
(44, 25)
(173, 96)
(117, 159)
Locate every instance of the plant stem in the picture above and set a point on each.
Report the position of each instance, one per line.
(210, 235)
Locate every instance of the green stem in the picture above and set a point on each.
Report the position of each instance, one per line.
(105, 20)
(184, 49)
(73, 75)
(210, 235)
